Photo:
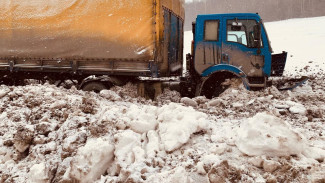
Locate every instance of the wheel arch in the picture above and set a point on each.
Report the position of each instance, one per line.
(217, 75)
(217, 69)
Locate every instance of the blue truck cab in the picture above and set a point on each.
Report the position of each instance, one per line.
(231, 45)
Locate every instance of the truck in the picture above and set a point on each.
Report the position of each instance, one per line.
(99, 44)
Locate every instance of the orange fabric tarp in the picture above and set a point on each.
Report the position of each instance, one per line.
(113, 29)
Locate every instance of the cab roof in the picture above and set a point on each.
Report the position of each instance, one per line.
(239, 15)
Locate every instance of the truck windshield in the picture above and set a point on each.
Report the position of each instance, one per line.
(241, 31)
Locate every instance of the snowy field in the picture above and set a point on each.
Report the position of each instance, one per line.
(50, 134)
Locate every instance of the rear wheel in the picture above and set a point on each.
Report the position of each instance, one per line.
(95, 86)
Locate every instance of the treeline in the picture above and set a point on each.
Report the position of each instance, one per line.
(270, 10)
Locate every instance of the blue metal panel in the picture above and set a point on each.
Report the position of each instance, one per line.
(223, 67)
(199, 36)
(173, 46)
(267, 54)
(173, 37)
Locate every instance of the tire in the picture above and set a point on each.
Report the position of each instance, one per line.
(213, 86)
(219, 89)
(94, 86)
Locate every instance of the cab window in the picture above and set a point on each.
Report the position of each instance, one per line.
(211, 30)
(242, 32)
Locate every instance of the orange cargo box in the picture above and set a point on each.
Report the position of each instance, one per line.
(98, 30)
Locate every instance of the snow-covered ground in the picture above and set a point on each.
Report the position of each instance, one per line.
(50, 134)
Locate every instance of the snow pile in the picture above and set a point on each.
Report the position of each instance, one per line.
(177, 124)
(92, 160)
(126, 143)
(143, 119)
(70, 135)
(268, 135)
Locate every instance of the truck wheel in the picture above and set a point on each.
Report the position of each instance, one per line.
(94, 86)
(213, 86)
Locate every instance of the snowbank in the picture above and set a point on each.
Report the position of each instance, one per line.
(92, 160)
(267, 135)
(177, 124)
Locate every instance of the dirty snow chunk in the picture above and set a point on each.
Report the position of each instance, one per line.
(3, 93)
(152, 147)
(189, 102)
(299, 109)
(219, 149)
(211, 159)
(217, 102)
(142, 119)
(265, 134)
(237, 105)
(178, 174)
(200, 168)
(315, 153)
(178, 123)
(39, 173)
(270, 166)
(24, 137)
(58, 104)
(6, 154)
(281, 106)
(257, 161)
(296, 108)
(110, 95)
(126, 141)
(92, 160)
(139, 154)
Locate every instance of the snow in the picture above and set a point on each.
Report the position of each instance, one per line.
(176, 130)
(303, 39)
(39, 173)
(50, 134)
(266, 134)
(92, 160)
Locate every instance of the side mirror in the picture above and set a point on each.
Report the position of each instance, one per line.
(258, 36)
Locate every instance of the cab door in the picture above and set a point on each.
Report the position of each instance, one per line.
(239, 46)
(207, 43)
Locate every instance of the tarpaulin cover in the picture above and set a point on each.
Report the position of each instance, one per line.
(108, 29)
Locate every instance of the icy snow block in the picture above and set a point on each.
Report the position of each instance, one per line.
(110, 95)
(92, 160)
(265, 134)
(126, 143)
(142, 119)
(39, 173)
(189, 102)
(177, 124)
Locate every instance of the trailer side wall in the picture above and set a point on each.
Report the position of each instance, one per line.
(97, 29)
(95, 37)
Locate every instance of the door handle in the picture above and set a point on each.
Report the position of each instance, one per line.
(225, 57)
